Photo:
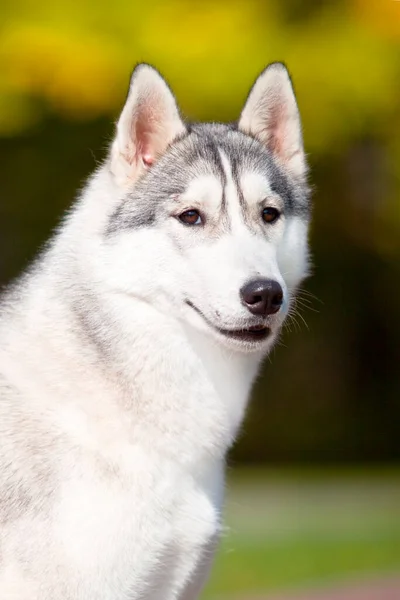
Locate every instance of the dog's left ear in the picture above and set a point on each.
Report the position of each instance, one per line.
(149, 122)
(271, 115)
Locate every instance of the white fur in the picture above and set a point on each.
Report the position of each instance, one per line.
(114, 447)
(271, 114)
(148, 123)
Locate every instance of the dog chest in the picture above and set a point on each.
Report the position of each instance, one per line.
(155, 525)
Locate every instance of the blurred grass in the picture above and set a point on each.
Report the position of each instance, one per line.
(291, 529)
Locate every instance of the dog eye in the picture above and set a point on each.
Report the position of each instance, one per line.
(191, 217)
(270, 214)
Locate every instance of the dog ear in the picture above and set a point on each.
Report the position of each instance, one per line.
(149, 122)
(271, 115)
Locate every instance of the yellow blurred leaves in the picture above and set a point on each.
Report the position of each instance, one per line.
(206, 49)
(78, 75)
(382, 16)
(74, 59)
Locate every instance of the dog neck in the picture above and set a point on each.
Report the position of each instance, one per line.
(113, 359)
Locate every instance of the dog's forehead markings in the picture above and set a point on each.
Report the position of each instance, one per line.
(232, 197)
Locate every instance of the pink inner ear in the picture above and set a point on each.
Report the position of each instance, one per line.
(147, 159)
(150, 132)
(144, 125)
(277, 136)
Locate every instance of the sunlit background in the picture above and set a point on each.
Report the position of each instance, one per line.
(314, 490)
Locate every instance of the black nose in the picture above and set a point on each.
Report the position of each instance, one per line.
(262, 296)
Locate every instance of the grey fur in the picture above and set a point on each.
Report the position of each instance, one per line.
(198, 153)
(32, 492)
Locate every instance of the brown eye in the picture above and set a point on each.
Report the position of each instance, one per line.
(270, 214)
(191, 217)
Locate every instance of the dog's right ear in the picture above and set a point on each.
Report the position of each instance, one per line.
(149, 122)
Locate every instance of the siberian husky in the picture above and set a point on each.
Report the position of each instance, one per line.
(128, 350)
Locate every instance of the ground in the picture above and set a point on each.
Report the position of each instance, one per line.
(302, 535)
(375, 589)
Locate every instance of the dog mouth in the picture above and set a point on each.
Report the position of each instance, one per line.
(252, 334)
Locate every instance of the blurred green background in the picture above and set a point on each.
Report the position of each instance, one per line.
(330, 393)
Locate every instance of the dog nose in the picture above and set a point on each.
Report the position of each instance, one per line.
(262, 296)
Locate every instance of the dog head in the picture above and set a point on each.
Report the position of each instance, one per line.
(210, 221)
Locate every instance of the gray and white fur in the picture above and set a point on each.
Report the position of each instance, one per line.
(129, 348)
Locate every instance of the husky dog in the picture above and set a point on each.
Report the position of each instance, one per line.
(128, 350)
